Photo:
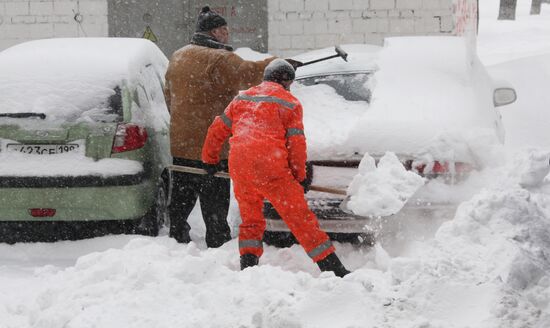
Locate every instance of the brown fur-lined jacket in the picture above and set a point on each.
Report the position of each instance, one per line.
(201, 80)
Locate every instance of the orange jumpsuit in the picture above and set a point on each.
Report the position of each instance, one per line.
(267, 159)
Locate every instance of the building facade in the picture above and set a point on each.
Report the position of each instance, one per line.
(280, 27)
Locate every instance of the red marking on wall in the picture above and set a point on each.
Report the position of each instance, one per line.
(465, 12)
(231, 12)
(224, 11)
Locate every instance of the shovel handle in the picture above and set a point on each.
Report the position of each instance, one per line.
(328, 190)
(225, 175)
(196, 170)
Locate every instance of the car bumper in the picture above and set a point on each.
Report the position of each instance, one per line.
(332, 219)
(76, 198)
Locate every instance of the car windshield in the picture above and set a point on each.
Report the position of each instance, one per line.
(351, 86)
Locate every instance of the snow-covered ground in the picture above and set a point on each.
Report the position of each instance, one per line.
(487, 267)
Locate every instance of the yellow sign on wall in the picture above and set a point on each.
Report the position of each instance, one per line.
(150, 35)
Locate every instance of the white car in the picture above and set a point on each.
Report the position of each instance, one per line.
(426, 99)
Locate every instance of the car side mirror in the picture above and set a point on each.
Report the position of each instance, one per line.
(504, 96)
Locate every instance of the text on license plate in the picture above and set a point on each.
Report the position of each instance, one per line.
(43, 149)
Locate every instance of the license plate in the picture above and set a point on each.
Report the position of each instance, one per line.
(43, 149)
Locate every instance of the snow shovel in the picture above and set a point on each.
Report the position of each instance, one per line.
(225, 175)
(339, 53)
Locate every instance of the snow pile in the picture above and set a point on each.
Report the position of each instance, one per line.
(384, 189)
(489, 267)
(432, 92)
(157, 282)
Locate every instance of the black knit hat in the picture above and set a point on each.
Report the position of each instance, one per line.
(279, 70)
(209, 20)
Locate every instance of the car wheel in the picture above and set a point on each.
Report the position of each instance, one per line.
(280, 239)
(157, 216)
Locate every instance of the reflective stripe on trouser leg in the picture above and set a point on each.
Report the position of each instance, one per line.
(294, 132)
(251, 230)
(287, 196)
(251, 246)
(317, 253)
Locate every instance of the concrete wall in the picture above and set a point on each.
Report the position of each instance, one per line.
(23, 20)
(293, 26)
(173, 22)
(300, 25)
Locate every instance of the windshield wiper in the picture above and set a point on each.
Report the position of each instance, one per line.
(23, 115)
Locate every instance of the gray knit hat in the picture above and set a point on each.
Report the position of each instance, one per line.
(279, 70)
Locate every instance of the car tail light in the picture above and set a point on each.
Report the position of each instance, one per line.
(42, 212)
(435, 169)
(129, 137)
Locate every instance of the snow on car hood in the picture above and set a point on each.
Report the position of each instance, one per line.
(63, 78)
(429, 100)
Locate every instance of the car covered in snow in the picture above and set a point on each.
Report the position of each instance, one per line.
(428, 100)
(84, 132)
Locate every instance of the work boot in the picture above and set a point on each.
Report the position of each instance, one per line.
(249, 260)
(332, 263)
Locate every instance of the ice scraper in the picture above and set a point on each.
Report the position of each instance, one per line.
(339, 53)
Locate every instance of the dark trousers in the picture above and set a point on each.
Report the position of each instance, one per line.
(214, 201)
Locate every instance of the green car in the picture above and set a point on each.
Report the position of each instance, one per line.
(84, 133)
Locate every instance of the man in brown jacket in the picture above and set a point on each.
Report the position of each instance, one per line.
(202, 79)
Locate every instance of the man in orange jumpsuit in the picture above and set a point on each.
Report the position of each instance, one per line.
(267, 160)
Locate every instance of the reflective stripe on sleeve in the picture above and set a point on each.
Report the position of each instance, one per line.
(270, 99)
(250, 243)
(319, 249)
(294, 132)
(226, 120)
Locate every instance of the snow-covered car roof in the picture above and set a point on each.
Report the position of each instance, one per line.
(63, 78)
(91, 57)
(361, 57)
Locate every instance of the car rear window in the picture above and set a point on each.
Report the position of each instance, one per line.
(59, 103)
(351, 86)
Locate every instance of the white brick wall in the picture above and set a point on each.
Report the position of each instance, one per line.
(296, 26)
(23, 20)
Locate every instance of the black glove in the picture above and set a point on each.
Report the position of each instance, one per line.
(306, 183)
(294, 63)
(210, 169)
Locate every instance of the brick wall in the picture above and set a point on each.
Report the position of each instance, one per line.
(294, 25)
(23, 20)
(300, 25)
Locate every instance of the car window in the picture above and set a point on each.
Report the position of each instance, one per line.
(151, 107)
(108, 111)
(153, 84)
(351, 86)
